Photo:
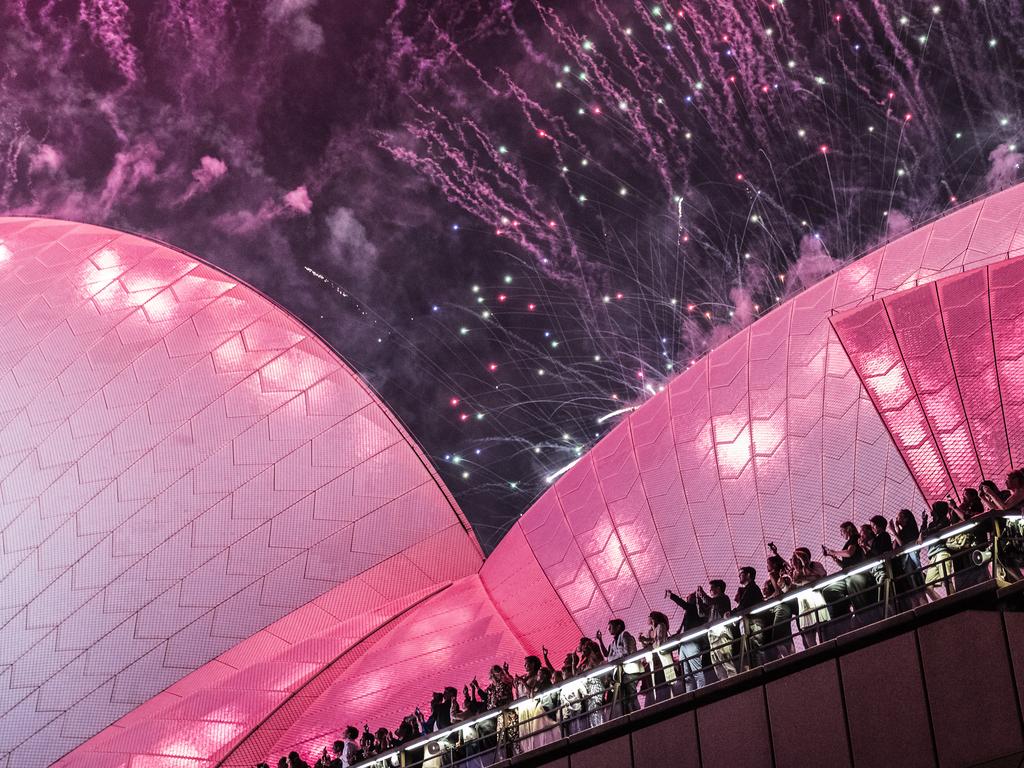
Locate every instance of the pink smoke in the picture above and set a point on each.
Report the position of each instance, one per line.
(298, 200)
(210, 170)
(897, 223)
(45, 159)
(812, 264)
(1004, 164)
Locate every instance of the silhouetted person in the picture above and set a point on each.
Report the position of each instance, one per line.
(749, 594)
(779, 630)
(715, 608)
(622, 645)
(940, 568)
(907, 575)
(691, 651)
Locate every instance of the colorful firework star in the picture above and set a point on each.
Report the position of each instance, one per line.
(516, 219)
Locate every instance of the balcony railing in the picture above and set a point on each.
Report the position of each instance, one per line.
(963, 555)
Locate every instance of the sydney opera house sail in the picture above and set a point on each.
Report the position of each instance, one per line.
(185, 468)
(219, 545)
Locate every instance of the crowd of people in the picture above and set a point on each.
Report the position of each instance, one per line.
(718, 637)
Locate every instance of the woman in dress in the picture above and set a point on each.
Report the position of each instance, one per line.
(498, 696)
(535, 727)
(595, 687)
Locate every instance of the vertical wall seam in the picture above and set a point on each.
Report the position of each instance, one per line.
(956, 380)
(995, 362)
(1009, 657)
(917, 397)
(846, 712)
(924, 690)
(682, 480)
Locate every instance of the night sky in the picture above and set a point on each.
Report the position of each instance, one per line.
(513, 219)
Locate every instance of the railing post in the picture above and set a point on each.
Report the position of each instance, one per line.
(889, 591)
(744, 655)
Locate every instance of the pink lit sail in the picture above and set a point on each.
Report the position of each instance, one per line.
(184, 465)
(942, 364)
(251, 554)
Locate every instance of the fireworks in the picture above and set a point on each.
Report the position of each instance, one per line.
(663, 174)
(602, 190)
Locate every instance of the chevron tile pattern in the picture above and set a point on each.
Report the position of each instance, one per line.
(943, 365)
(772, 436)
(328, 579)
(181, 465)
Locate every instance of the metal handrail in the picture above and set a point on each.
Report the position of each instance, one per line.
(743, 652)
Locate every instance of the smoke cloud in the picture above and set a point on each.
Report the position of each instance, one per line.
(1004, 167)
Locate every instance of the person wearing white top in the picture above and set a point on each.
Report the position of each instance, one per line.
(350, 748)
(622, 645)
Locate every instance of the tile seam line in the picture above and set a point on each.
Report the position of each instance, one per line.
(321, 670)
(824, 398)
(682, 479)
(917, 396)
(554, 591)
(99, 390)
(643, 485)
(874, 403)
(750, 432)
(575, 542)
(714, 452)
(147, 452)
(956, 379)
(292, 317)
(995, 364)
(211, 609)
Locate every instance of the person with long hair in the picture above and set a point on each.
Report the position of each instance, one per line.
(962, 546)
(907, 576)
(595, 687)
(811, 608)
(1008, 547)
(860, 587)
(499, 695)
(1009, 501)
(658, 683)
(535, 727)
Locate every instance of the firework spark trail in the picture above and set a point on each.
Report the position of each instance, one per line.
(546, 125)
(697, 163)
(734, 75)
(616, 98)
(469, 167)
